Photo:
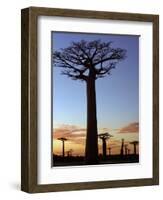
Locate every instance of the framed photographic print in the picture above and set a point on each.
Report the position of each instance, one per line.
(90, 100)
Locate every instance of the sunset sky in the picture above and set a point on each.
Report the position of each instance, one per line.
(117, 98)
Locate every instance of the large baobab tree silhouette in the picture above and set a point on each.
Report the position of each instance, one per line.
(134, 143)
(104, 137)
(87, 61)
(63, 145)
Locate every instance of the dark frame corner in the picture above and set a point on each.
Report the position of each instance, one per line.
(29, 99)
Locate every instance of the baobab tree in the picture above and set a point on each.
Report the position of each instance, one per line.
(63, 145)
(122, 148)
(134, 143)
(126, 149)
(104, 137)
(110, 151)
(87, 61)
(69, 152)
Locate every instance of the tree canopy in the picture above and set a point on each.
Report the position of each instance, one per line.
(83, 58)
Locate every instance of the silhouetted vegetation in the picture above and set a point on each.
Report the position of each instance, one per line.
(124, 155)
(87, 61)
(134, 143)
(80, 160)
(104, 137)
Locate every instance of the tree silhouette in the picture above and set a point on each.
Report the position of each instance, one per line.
(110, 151)
(104, 137)
(126, 149)
(88, 61)
(69, 152)
(63, 145)
(122, 147)
(134, 143)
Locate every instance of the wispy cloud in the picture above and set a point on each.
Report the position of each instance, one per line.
(130, 128)
(76, 136)
(72, 133)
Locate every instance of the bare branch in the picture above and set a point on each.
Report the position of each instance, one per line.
(83, 47)
(73, 75)
(105, 70)
(114, 54)
(95, 56)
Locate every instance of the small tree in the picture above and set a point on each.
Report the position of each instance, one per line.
(122, 147)
(104, 137)
(134, 143)
(69, 152)
(126, 149)
(110, 151)
(88, 61)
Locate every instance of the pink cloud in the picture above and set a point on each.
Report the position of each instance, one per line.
(72, 133)
(130, 128)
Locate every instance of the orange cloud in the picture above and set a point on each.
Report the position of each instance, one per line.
(76, 136)
(130, 128)
(72, 133)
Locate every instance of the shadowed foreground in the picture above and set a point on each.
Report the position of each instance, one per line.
(79, 160)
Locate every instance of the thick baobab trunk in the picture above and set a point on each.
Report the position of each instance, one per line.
(91, 151)
(104, 147)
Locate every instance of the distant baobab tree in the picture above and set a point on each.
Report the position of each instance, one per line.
(110, 151)
(87, 61)
(134, 143)
(126, 149)
(104, 137)
(122, 148)
(63, 145)
(69, 152)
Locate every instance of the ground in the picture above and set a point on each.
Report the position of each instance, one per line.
(79, 160)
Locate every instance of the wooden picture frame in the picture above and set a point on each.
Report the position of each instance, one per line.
(29, 134)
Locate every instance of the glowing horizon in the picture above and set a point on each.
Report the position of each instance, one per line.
(76, 137)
